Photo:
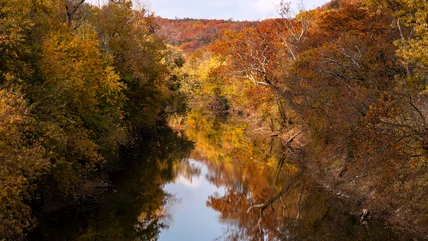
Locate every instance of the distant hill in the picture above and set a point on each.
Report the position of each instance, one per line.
(190, 34)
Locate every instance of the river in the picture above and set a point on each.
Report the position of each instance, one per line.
(212, 181)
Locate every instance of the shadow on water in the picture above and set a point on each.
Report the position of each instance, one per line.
(132, 207)
(235, 186)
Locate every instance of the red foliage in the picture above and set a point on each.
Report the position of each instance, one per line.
(190, 34)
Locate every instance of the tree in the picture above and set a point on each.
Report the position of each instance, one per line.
(14, 50)
(343, 68)
(79, 107)
(64, 84)
(411, 21)
(140, 59)
(264, 54)
(22, 161)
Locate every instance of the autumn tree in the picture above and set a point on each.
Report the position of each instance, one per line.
(14, 50)
(140, 58)
(191, 34)
(73, 85)
(22, 160)
(264, 54)
(410, 19)
(22, 157)
(79, 105)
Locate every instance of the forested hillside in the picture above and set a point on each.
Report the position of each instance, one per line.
(191, 34)
(345, 86)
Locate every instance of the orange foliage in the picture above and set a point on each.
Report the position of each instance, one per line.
(191, 34)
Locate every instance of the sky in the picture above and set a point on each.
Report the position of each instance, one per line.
(221, 9)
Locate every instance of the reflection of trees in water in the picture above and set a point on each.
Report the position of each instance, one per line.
(136, 210)
(188, 170)
(298, 211)
(267, 197)
(141, 197)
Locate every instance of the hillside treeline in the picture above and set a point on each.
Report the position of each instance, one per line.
(191, 34)
(348, 83)
(76, 83)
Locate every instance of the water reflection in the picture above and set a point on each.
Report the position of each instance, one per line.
(136, 211)
(266, 196)
(133, 209)
(192, 219)
(235, 186)
(298, 211)
(230, 208)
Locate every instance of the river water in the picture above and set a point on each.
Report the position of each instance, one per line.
(213, 181)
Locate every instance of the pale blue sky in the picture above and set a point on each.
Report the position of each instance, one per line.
(216, 9)
(221, 9)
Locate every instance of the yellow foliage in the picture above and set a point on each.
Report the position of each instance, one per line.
(79, 105)
(21, 163)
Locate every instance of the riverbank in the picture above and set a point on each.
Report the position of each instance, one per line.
(245, 164)
(330, 167)
(388, 209)
(329, 171)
